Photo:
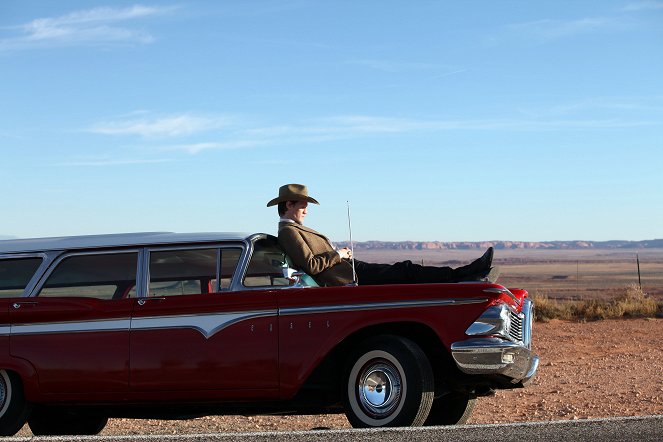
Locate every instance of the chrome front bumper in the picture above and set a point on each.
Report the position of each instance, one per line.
(495, 356)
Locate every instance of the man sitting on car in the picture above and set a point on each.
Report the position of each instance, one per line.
(314, 254)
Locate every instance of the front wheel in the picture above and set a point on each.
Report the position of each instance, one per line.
(13, 407)
(450, 409)
(45, 421)
(389, 383)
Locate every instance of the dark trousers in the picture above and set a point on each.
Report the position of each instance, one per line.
(405, 272)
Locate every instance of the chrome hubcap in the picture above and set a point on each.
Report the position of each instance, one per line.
(379, 389)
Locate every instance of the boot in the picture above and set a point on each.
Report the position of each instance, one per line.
(477, 269)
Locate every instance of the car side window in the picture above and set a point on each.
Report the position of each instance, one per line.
(182, 272)
(191, 271)
(99, 275)
(15, 273)
(266, 265)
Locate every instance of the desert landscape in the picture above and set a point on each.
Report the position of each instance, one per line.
(557, 273)
(588, 369)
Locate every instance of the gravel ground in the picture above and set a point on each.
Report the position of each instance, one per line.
(595, 369)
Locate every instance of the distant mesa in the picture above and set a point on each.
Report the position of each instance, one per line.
(501, 245)
(498, 245)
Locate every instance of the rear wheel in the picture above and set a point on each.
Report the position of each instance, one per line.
(450, 409)
(388, 383)
(13, 407)
(45, 421)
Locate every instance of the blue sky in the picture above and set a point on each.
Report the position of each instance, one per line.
(437, 120)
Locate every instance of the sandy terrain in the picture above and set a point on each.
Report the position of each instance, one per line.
(596, 369)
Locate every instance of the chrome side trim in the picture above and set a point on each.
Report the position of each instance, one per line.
(503, 290)
(528, 313)
(379, 306)
(71, 327)
(207, 325)
(142, 275)
(243, 264)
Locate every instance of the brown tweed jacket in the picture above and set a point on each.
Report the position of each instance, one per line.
(313, 253)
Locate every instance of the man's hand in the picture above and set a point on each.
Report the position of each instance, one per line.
(345, 253)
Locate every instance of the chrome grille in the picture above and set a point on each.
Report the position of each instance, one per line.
(516, 328)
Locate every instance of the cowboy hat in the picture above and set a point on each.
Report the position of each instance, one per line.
(292, 192)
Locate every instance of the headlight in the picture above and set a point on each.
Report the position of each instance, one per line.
(496, 320)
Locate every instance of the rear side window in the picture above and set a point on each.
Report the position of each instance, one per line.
(102, 276)
(191, 271)
(15, 275)
(182, 272)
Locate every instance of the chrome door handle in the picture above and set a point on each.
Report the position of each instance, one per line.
(18, 305)
(142, 301)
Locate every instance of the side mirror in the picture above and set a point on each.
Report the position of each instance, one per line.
(294, 276)
(296, 279)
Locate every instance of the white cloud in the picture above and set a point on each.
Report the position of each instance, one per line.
(353, 126)
(603, 104)
(363, 124)
(643, 6)
(101, 162)
(547, 29)
(393, 66)
(96, 26)
(201, 134)
(370, 124)
(450, 73)
(167, 126)
(194, 148)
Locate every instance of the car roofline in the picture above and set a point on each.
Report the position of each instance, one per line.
(139, 239)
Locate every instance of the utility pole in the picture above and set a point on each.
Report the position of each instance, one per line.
(578, 279)
(637, 260)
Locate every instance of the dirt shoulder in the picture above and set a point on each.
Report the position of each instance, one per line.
(595, 369)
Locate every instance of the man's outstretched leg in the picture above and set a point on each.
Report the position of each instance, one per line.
(405, 272)
(475, 271)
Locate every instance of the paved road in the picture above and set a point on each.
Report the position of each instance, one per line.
(641, 429)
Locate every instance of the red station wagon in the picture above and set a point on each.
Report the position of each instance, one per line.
(165, 325)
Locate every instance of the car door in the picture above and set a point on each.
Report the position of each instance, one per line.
(190, 333)
(75, 331)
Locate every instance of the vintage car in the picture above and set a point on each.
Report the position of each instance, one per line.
(166, 325)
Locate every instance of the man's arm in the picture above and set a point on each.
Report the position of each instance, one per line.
(301, 254)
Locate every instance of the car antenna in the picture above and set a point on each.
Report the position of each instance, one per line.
(352, 249)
